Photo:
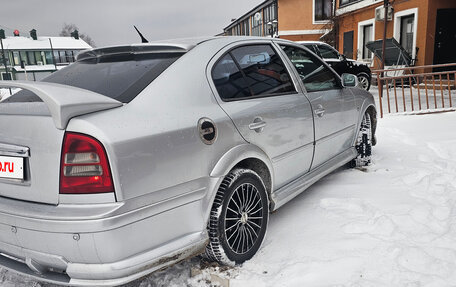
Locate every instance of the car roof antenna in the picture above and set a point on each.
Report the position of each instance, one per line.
(143, 40)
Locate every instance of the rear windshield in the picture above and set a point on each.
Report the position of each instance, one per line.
(121, 77)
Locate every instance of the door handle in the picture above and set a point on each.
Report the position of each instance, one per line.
(257, 125)
(319, 111)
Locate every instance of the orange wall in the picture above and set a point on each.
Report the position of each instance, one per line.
(312, 37)
(350, 22)
(296, 15)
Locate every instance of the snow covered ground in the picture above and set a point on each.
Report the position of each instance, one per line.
(391, 224)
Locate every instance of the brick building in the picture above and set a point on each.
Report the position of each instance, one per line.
(299, 20)
(259, 21)
(304, 20)
(424, 28)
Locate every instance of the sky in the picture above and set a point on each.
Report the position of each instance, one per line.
(110, 22)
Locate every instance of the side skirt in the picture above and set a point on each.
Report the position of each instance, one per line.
(291, 190)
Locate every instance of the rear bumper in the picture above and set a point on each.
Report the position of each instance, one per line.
(57, 270)
(104, 244)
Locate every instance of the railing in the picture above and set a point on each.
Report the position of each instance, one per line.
(418, 91)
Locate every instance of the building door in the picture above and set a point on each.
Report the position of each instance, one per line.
(368, 36)
(407, 24)
(445, 38)
(348, 44)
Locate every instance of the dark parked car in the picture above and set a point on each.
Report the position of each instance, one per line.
(340, 63)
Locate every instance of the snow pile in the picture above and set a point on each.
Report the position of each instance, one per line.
(390, 224)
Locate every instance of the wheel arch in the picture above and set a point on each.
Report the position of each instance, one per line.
(361, 71)
(367, 107)
(372, 111)
(246, 156)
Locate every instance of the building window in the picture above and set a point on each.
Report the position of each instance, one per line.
(256, 25)
(7, 58)
(48, 57)
(407, 27)
(322, 10)
(6, 76)
(23, 57)
(31, 58)
(39, 58)
(345, 2)
(269, 16)
(69, 56)
(57, 57)
(245, 27)
(368, 36)
(348, 44)
(16, 58)
(62, 57)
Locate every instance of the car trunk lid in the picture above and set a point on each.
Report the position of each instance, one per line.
(31, 135)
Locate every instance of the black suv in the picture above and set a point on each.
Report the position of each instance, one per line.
(340, 63)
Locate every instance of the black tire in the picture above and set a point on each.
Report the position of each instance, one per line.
(363, 143)
(238, 219)
(364, 81)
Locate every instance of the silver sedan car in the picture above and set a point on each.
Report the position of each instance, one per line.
(135, 157)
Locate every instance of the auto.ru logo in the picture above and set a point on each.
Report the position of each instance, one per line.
(7, 165)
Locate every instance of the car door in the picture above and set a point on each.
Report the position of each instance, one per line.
(332, 58)
(333, 105)
(257, 91)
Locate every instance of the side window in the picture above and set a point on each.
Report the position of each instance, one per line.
(228, 79)
(328, 52)
(254, 70)
(312, 48)
(314, 74)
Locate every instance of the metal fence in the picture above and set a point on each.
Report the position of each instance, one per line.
(412, 89)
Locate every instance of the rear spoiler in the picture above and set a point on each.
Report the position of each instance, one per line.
(65, 102)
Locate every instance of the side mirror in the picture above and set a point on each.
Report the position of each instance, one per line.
(349, 80)
(342, 57)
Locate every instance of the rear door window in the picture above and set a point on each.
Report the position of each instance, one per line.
(251, 71)
(228, 79)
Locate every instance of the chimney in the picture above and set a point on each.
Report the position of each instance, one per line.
(75, 34)
(33, 34)
(2, 34)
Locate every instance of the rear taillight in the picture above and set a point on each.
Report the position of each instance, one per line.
(84, 166)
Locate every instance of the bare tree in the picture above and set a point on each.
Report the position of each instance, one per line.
(67, 29)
